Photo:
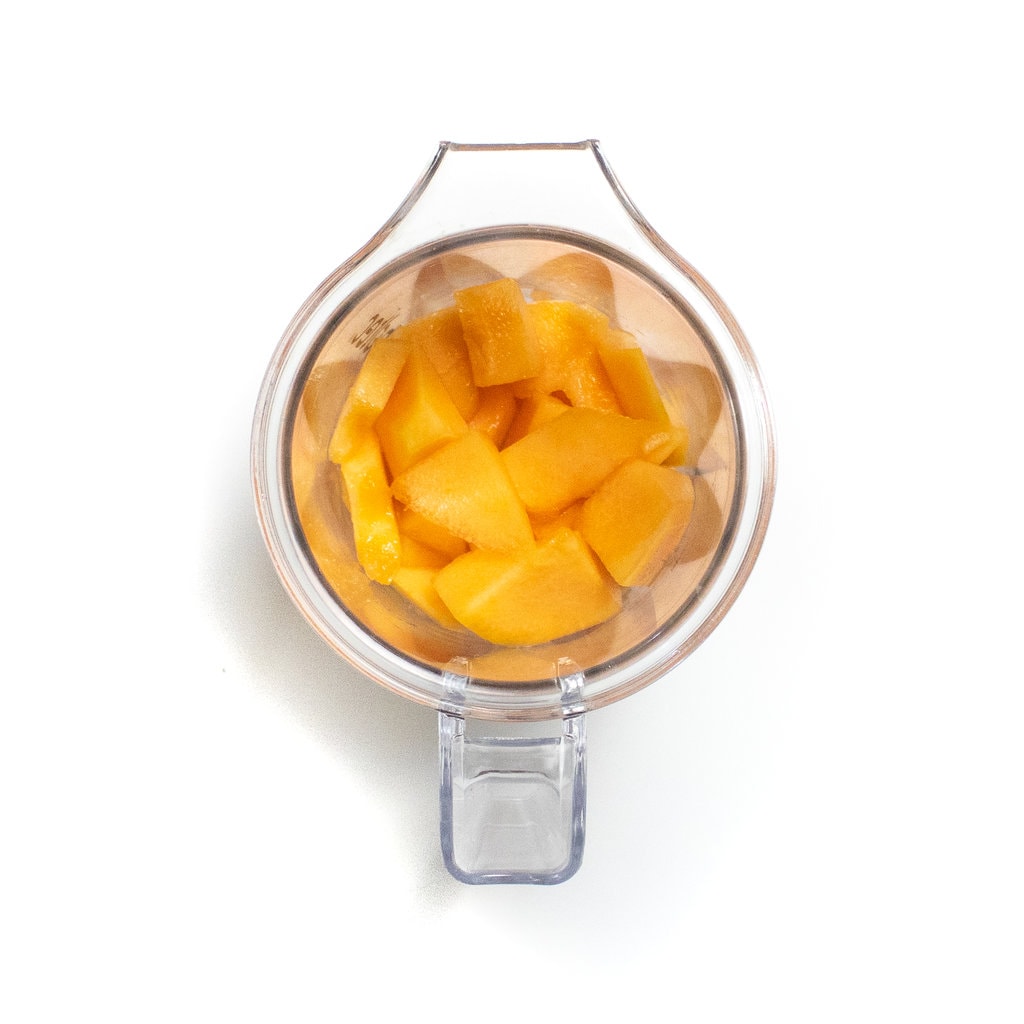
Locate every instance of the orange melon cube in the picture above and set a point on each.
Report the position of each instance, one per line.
(495, 413)
(531, 413)
(413, 526)
(464, 487)
(439, 278)
(368, 496)
(417, 555)
(545, 592)
(416, 584)
(636, 518)
(368, 395)
(418, 417)
(498, 333)
(634, 384)
(566, 458)
(545, 526)
(569, 337)
(440, 336)
(631, 377)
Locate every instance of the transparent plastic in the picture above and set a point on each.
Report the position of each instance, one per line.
(554, 218)
(513, 806)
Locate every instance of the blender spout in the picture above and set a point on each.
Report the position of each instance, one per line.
(513, 805)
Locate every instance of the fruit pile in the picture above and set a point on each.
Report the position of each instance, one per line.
(509, 465)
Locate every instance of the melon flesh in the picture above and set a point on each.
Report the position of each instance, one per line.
(502, 462)
(368, 395)
(498, 333)
(439, 335)
(368, 496)
(465, 488)
(567, 457)
(416, 584)
(419, 416)
(636, 519)
(569, 337)
(495, 412)
(634, 384)
(548, 591)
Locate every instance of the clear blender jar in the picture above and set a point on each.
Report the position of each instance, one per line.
(512, 727)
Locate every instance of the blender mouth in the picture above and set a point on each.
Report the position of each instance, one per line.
(652, 654)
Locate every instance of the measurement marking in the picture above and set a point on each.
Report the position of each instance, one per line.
(376, 327)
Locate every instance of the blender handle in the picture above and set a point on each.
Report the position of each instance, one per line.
(513, 806)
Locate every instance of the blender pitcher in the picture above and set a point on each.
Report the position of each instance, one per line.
(512, 728)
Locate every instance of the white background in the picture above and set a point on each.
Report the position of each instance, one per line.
(205, 817)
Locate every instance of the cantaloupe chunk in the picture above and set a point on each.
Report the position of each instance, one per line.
(531, 413)
(418, 417)
(368, 395)
(464, 487)
(545, 526)
(567, 457)
(500, 464)
(417, 555)
(495, 413)
(636, 518)
(439, 335)
(418, 528)
(545, 592)
(416, 584)
(498, 333)
(368, 496)
(440, 277)
(634, 384)
(569, 336)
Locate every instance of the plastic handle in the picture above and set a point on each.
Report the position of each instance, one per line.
(513, 806)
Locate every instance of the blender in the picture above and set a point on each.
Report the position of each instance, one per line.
(512, 719)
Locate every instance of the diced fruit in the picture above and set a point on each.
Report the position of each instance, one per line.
(634, 384)
(464, 487)
(567, 457)
(631, 377)
(501, 460)
(416, 527)
(499, 336)
(636, 518)
(369, 394)
(547, 591)
(569, 337)
(440, 336)
(419, 415)
(378, 547)
(532, 413)
(417, 555)
(495, 413)
(439, 278)
(417, 584)
(545, 526)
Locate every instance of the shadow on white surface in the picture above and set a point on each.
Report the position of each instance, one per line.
(389, 743)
